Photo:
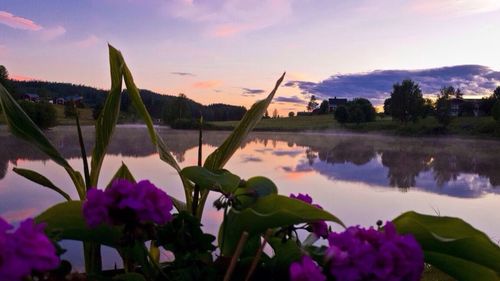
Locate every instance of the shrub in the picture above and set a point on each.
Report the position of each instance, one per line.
(341, 114)
(495, 111)
(43, 114)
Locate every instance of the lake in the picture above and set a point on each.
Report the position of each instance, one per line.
(359, 178)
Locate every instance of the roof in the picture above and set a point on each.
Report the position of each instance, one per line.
(31, 95)
(336, 101)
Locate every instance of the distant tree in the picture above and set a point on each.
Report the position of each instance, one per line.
(387, 107)
(428, 108)
(356, 115)
(291, 114)
(323, 108)
(266, 115)
(496, 93)
(341, 114)
(486, 104)
(495, 111)
(458, 94)
(313, 104)
(275, 113)
(406, 101)
(43, 114)
(447, 92)
(4, 74)
(443, 107)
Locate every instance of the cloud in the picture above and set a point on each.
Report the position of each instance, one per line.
(292, 99)
(87, 42)
(252, 92)
(18, 22)
(223, 18)
(207, 84)
(376, 85)
(48, 34)
(182, 73)
(3, 50)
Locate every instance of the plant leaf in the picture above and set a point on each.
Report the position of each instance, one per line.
(221, 181)
(66, 221)
(23, 127)
(217, 159)
(254, 188)
(131, 276)
(270, 212)
(106, 122)
(122, 173)
(452, 245)
(41, 180)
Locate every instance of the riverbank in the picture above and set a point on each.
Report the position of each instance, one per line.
(485, 127)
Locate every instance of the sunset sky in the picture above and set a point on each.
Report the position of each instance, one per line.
(233, 51)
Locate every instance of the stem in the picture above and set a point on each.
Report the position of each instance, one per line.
(223, 230)
(92, 254)
(258, 254)
(237, 253)
(196, 196)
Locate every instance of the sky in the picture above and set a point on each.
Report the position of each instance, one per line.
(233, 51)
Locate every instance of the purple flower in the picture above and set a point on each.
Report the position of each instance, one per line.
(368, 254)
(25, 250)
(306, 270)
(320, 228)
(127, 203)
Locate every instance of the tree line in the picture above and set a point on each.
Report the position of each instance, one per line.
(166, 108)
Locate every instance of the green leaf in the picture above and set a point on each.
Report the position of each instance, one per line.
(66, 221)
(23, 127)
(122, 173)
(285, 252)
(453, 246)
(217, 159)
(178, 204)
(41, 180)
(254, 188)
(271, 211)
(106, 122)
(221, 181)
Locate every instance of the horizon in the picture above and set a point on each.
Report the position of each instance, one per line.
(233, 51)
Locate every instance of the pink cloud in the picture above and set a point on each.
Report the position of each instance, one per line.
(18, 22)
(48, 34)
(208, 84)
(21, 77)
(90, 41)
(227, 30)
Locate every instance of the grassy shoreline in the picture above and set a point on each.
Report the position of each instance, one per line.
(479, 127)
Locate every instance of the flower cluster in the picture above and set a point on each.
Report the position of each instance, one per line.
(306, 270)
(25, 250)
(125, 202)
(369, 254)
(320, 228)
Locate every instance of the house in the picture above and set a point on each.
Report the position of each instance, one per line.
(457, 106)
(334, 103)
(59, 101)
(30, 97)
(78, 100)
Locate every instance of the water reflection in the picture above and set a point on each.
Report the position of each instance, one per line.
(462, 168)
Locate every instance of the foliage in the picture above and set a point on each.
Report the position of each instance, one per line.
(495, 111)
(312, 104)
(291, 114)
(496, 93)
(406, 101)
(443, 108)
(43, 114)
(69, 110)
(323, 107)
(341, 114)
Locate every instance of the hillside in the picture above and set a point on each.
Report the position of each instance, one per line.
(157, 104)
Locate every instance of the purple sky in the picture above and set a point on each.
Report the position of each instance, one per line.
(233, 51)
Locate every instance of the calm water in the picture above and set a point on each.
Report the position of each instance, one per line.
(359, 178)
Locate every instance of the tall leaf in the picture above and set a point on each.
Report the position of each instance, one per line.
(221, 181)
(453, 246)
(106, 122)
(41, 180)
(270, 212)
(217, 159)
(122, 173)
(23, 127)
